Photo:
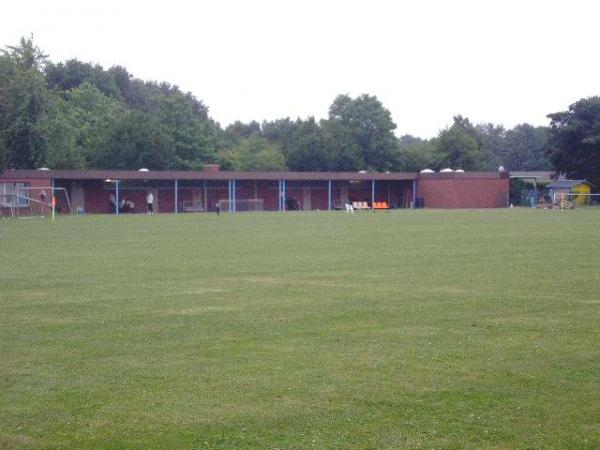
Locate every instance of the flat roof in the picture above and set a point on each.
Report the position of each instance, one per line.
(540, 175)
(199, 175)
(232, 175)
(565, 184)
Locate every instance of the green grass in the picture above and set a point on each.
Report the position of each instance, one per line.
(408, 329)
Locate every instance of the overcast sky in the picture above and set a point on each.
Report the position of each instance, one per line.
(505, 61)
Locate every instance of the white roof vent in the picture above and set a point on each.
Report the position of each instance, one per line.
(43, 168)
(447, 170)
(143, 169)
(362, 171)
(427, 171)
(501, 169)
(459, 171)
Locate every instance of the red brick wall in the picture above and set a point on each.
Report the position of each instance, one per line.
(464, 193)
(96, 200)
(214, 195)
(166, 201)
(269, 192)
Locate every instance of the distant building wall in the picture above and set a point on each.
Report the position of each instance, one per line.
(454, 193)
(92, 189)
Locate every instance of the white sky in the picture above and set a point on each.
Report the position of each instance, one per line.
(505, 61)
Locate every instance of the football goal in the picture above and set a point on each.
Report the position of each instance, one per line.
(20, 201)
(574, 200)
(254, 204)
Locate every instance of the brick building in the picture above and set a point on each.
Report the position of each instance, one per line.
(98, 191)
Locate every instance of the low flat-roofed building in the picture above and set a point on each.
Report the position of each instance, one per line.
(104, 191)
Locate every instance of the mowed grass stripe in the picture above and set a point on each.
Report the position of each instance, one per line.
(408, 329)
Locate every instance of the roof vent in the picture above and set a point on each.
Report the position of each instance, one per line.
(427, 171)
(43, 168)
(459, 171)
(143, 169)
(446, 170)
(501, 169)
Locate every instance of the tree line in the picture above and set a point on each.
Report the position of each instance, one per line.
(77, 115)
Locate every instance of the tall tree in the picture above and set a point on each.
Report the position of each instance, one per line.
(524, 148)
(61, 132)
(370, 126)
(72, 73)
(344, 154)
(85, 118)
(415, 154)
(254, 153)
(492, 142)
(137, 140)
(238, 131)
(458, 147)
(23, 99)
(193, 146)
(574, 140)
(306, 149)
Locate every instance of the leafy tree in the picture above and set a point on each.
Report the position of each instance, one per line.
(344, 154)
(71, 74)
(238, 131)
(492, 142)
(254, 153)
(193, 146)
(60, 132)
(23, 99)
(458, 147)
(524, 148)
(279, 131)
(306, 149)
(415, 154)
(137, 140)
(79, 115)
(370, 127)
(574, 140)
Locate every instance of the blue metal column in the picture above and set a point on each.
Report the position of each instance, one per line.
(52, 204)
(329, 195)
(283, 199)
(117, 197)
(176, 198)
(229, 195)
(414, 193)
(279, 194)
(233, 208)
(373, 194)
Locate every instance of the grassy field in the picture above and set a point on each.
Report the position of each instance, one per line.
(409, 329)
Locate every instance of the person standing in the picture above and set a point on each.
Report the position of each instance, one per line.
(150, 203)
(43, 200)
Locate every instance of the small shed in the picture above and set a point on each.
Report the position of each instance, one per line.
(569, 187)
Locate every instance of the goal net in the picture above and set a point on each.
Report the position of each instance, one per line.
(20, 201)
(242, 205)
(575, 200)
